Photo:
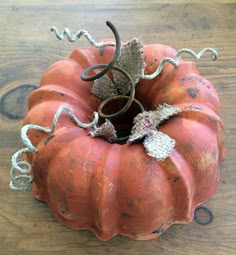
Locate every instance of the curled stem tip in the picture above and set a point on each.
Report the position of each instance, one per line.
(106, 67)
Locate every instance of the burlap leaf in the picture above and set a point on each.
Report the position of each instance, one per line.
(158, 145)
(164, 112)
(143, 124)
(131, 60)
(106, 131)
(104, 88)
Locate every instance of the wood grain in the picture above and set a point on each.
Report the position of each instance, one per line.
(28, 48)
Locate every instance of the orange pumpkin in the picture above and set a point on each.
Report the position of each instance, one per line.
(112, 188)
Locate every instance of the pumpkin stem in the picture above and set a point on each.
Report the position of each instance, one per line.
(106, 67)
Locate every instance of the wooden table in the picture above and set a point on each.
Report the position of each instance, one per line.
(27, 48)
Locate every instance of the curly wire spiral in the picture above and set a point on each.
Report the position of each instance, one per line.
(75, 37)
(175, 61)
(20, 170)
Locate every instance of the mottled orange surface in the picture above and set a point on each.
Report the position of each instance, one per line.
(113, 189)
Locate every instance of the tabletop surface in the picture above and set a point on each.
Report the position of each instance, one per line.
(28, 48)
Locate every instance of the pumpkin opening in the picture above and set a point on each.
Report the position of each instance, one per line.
(123, 124)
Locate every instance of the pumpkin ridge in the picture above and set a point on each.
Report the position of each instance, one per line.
(198, 111)
(205, 115)
(43, 120)
(201, 153)
(66, 74)
(43, 157)
(178, 94)
(104, 189)
(154, 54)
(180, 177)
(53, 92)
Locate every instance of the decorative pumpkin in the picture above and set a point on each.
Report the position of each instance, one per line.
(115, 188)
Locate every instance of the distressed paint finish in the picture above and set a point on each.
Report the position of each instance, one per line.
(117, 189)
